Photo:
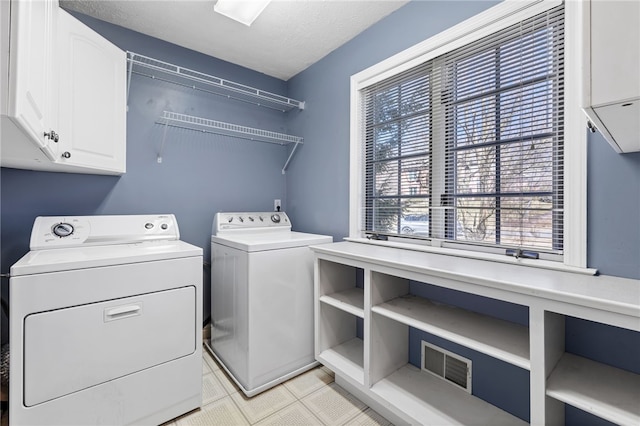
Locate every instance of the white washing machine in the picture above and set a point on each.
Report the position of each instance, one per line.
(105, 323)
(261, 298)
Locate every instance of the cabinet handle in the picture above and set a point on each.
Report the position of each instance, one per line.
(66, 154)
(52, 136)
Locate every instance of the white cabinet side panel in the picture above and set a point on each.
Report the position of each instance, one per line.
(615, 51)
(280, 313)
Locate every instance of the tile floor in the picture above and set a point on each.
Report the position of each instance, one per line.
(312, 398)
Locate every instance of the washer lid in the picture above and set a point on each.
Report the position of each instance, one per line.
(261, 241)
(66, 259)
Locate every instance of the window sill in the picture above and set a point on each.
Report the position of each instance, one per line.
(489, 257)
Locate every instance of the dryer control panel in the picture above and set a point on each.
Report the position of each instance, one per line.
(75, 231)
(250, 221)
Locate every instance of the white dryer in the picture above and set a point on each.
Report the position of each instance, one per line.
(261, 298)
(105, 322)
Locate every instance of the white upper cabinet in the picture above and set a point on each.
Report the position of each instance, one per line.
(612, 66)
(65, 108)
(92, 98)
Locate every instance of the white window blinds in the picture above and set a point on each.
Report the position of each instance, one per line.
(468, 147)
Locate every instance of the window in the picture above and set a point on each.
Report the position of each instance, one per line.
(472, 139)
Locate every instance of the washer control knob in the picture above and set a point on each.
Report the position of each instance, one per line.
(241, 219)
(148, 225)
(164, 226)
(62, 229)
(230, 219)
(250, 218)
(275, 218)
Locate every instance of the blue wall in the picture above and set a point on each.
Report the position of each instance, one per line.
(613, 210)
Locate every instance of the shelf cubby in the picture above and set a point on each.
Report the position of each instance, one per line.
(500, 339)
(424, 398)
(599, 389)
(337, 344)
(503, 340)
(428, 400)
(339, 311)
(338, 287)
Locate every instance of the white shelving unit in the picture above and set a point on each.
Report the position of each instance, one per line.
(424, 398)
(172, 119)
(165, 71)
(185, 77)
(376, 368)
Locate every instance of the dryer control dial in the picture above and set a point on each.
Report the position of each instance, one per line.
(275, 218)
(62, 229)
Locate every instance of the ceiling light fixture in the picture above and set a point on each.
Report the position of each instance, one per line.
(243, 11)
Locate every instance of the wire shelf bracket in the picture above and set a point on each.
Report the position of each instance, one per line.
(173, 119)
(165, 71)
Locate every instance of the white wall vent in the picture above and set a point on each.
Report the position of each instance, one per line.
(448, 366)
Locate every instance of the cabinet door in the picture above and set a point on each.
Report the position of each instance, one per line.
(31, 79)
(92, 98)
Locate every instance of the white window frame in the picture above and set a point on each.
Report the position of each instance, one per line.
(505, 14)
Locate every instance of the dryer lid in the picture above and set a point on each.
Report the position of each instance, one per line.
(61, 259)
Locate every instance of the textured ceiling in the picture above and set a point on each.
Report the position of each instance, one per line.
(288, 37)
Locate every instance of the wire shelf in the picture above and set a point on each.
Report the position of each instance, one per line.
(164, 71)
(184, 121)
